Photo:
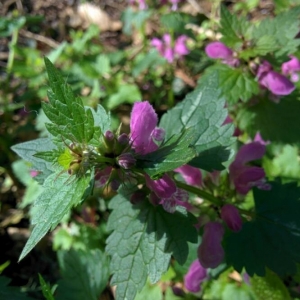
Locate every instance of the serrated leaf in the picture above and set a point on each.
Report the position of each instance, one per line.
(176, 152)
(28, 150)
(144, 238)
(272, 239)
(235, 84)
(84, 274)
(276, 122)
(46, 289)
(203, 112)
(262, 46)
(233, 29)
(269, 287)
(60, 194)
(11, 292)
(283, 28)
(70, 119)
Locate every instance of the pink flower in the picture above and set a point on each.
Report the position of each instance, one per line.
(218, 50)
(143, 130)
(142, 124)
(244, 177)
(258, 138)
(194, 277)
(231, 216)
(210, 251)
(276, 83)
(191, 175)
(166, 49)
(291, 68)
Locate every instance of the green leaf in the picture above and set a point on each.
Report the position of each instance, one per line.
(235, 84)
(128, 93)
(144, 238)
(203, 112)
(46, 289)
(269, 287)
(169, 156)
(132, 19)
(263, 45)
(272, 239)
(150, 292)
(70, 120)
(60, 194)
(28, 150)
(283, 28)
(233, 29)
(84, 274)
(10, 292)
(276, 122)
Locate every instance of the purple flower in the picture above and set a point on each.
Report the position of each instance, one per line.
(244, 177)
(191, 175)
(166, 49)
(102, 177)
(164, 187)
(276, 83)
(218, 50)
(142, 123)
(195, 275)
(210, 251)
(258, 138)
(231, 216)
(167, 194)
(291, 68)
(180, 46)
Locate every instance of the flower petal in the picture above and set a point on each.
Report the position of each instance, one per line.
(218, 50)
(195, 275)
(210, 252)
(142, 123)
(191, 175)
(277, 83)
(164, 187)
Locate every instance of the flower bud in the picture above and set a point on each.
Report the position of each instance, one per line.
(231, 216)
(107, 142)
(123, 139)
(194, 277)
(158, 134)
(210, 252)
(126, 161)
(109, 136)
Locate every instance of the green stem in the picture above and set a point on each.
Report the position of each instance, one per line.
(209, 197)
(199, 192)
(11, 56)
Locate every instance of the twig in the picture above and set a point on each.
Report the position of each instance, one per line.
(39, 38)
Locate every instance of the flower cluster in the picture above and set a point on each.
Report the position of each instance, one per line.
(170, 49)
(144, 133)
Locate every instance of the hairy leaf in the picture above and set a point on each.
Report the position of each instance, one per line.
(70, 120)
(277, 122)
(233, 29)
(272, 239)
(60, 194)
(170, 155)
(203, 112)
(46, 289)
(143, 239)
(84, 274)
(269, 287)
(28, 150)
(283, 28)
